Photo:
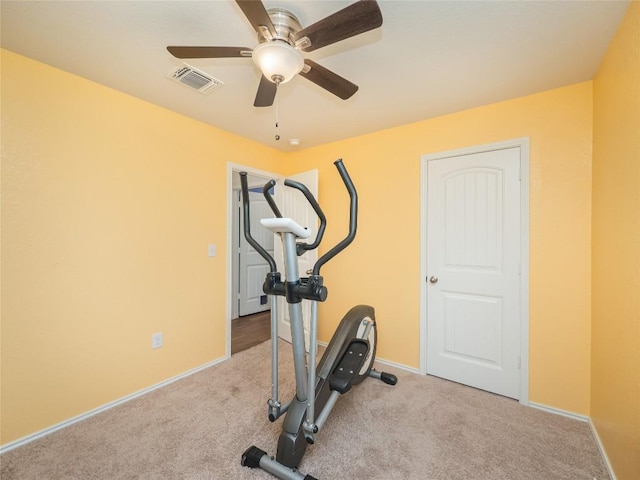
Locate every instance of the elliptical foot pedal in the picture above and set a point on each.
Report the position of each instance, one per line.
(349, 366)
(251, 457)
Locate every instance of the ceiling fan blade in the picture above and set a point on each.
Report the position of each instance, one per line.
(266, 93)
(257, 15)
(209, 52)
(328, 80)
(353, 20)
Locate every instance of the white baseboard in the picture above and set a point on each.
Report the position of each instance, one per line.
(558, 411)
(581, 418)
(602, 450)
(398, 365)
(103, 408)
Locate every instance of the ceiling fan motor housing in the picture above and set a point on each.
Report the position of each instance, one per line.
(285, 23)
(276, 56)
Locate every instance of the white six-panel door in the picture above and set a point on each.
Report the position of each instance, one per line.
(473, 270)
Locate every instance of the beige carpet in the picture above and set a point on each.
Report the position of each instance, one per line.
(423, 428)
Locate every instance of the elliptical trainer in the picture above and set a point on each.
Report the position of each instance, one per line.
(347, 360)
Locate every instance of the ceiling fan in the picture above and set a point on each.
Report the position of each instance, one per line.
(282, 39)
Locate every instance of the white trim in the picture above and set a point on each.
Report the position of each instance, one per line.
(558, 411)
(580, 418)
(524, 270)
(605, 457)
(400, 366)
(423, 266)
(235, 167)
(523, 144)
(84, 416)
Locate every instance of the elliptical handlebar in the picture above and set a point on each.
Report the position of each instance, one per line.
(267, 195)
(353, 218)
(302, 247)
(247, 224)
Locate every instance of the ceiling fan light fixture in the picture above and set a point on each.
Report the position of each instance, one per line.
(278, 61)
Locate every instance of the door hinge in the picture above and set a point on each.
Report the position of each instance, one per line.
(519, 362)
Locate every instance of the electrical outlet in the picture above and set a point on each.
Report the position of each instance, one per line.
(156, 340)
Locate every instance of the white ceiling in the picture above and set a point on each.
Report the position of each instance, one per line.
(428, 59)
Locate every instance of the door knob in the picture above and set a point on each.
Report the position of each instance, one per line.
(433, 279)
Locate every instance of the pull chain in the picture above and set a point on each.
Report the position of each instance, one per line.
(277, 111)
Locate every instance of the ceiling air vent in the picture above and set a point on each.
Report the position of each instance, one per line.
(194, 78)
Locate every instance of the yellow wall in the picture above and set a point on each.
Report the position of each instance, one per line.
(108, 204)
(615, 399)
(383, 268)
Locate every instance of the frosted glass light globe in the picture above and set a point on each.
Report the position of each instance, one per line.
(277, 61)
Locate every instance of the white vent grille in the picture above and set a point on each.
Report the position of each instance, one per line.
(194, 78)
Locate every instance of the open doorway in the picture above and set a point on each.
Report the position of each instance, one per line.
(296, 205)
(248, 309)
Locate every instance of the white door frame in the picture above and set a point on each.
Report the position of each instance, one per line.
(523, 144)
(231, 168)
